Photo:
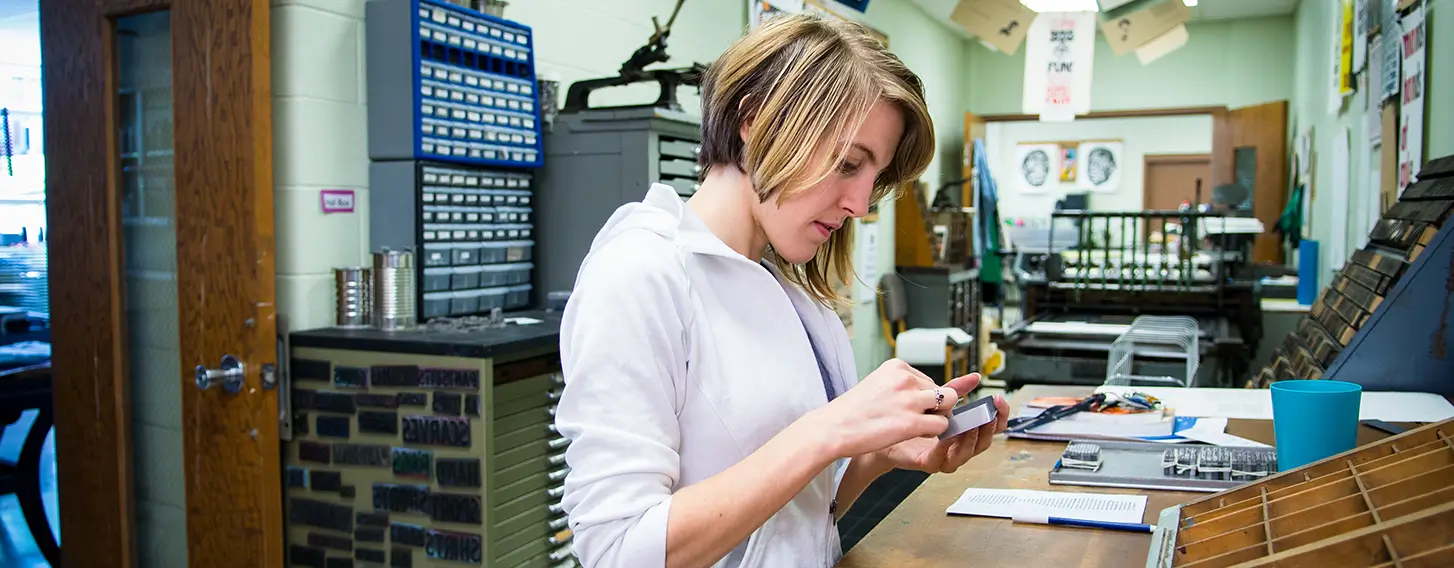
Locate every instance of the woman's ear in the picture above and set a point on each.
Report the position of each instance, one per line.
(746, 114)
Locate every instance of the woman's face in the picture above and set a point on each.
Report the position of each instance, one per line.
(803, 223)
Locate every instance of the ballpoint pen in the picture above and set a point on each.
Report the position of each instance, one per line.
(1062, 521)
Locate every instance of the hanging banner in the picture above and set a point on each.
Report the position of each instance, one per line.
(1411, 109)
(1059, 52)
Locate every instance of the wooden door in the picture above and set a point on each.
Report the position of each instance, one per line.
(1250, 147)
(1171, 179)
(159, 170)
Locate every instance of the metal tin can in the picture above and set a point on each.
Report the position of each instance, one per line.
(394, 290)
(352, 286)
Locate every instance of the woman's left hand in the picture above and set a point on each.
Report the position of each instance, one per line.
(932, 455)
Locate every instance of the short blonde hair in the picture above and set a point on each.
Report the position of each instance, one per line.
(804, 81)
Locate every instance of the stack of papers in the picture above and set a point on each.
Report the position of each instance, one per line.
(1004, 503)
(1256, 404)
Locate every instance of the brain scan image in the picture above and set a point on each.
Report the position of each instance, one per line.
(1036, 167)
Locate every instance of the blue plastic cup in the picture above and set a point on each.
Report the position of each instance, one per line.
(1313, 420)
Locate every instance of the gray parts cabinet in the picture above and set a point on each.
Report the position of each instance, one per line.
(601, 159)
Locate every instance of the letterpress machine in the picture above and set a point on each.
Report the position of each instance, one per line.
(1080, 296)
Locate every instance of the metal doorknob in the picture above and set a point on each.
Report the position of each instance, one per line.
(229, 375)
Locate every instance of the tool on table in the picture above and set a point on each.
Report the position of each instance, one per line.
(1147, 465)
(1053, 413)
(1064, 522)
(1107, 403)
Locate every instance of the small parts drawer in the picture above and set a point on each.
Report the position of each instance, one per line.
(680, 168)
(676, 148)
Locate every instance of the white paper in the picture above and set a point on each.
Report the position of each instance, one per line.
(1212, 431)
(1360, 34)
(1256, 404)
(1100, 166)
(1411, 113)
(867, 263)
(1373, 119)
(925, 346)
(1059, 53)
(1004, 503)
(523, 321)
(1335, 95)
(1338, 242)
(1037, 167)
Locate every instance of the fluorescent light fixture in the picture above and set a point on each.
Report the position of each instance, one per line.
(1061, 5)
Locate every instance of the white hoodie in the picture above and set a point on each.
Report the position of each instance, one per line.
(681, 357)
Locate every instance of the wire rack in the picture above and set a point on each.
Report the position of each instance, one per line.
(1385, 505)
(1164, 337)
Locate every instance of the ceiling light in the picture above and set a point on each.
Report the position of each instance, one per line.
(1189, 2)
(1061, 5)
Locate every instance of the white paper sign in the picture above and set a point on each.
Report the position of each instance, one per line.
(1360, 34)
(1059, 53)
(1100, 166)
(1411, 110)
(1373, 120)
(1392, 39)
(1036, 167)
(867, 263)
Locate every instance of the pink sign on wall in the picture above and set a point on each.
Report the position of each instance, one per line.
(337, 200)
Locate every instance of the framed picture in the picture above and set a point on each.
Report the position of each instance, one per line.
(1101, 165)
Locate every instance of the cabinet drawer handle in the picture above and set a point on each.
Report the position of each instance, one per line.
(550, 410)
(560, 554)
(557, 378)
(557, 443)
(559, 474)
(556, 459)
(551, 428)
(553, 395)
(557, 508)
(558, 524)
(555, 541)
(555, 492)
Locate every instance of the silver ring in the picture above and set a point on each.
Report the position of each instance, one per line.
(938, 399)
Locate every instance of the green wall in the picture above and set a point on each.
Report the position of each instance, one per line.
(1310, 109)
(1233, 63)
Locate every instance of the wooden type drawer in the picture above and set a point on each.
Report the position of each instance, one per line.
(504, 441)
(556, 520)
(537, 553)
(506, 458)
(541, 530)
(537, 400)
(535, 499)
(532, 466)
(529, 417)
(680, 148)
(525, 389)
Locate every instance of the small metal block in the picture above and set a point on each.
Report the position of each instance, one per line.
(322, 540)
(454, 546)
(447, 404)
(333, 402)
(450, 379)
(303, 399)
(324, 480)
(321, 514)
(351, 377)
(332, 426)
(297, 477)
(376, 422)
(375, 400)
(314, 452)
(366, 519)
(394, 375)
(304, 556)
(338, 562)
(401, 533)
(411, 399)
(402, 557)
(409, 462)
(401, 498)
(370, 555)
(457, 472)
(361, 454)
(472, 404)
(368, 534)
(308, 369)
(300, 424)
(347, 492)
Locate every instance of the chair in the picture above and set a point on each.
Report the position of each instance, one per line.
(920, 347)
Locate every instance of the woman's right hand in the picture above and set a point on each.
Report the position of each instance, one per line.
(894, 403)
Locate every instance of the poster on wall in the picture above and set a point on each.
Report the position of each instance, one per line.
(1345, 50)
(1411, 109)
(1100, 166)
(759, 11)
(1372, 92)
(1360, 34)
(1035, 165)
(1059, 52)
(1067, 163)
(1391, 39)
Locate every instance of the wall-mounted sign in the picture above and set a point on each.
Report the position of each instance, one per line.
(337, 200)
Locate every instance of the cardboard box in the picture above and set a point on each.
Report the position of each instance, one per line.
(1002, 24)
(1388, 156)
(1135, 29)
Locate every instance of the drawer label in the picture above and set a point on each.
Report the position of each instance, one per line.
(454, 546)
(409, 462)
(457, 472)
(437, 431)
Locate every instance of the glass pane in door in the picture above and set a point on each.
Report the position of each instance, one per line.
(149, 261)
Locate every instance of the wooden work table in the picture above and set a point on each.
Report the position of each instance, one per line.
(920, 533)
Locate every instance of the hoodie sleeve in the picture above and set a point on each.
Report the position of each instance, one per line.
(623, 354)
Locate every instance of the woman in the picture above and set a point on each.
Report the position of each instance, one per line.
(707, 399)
